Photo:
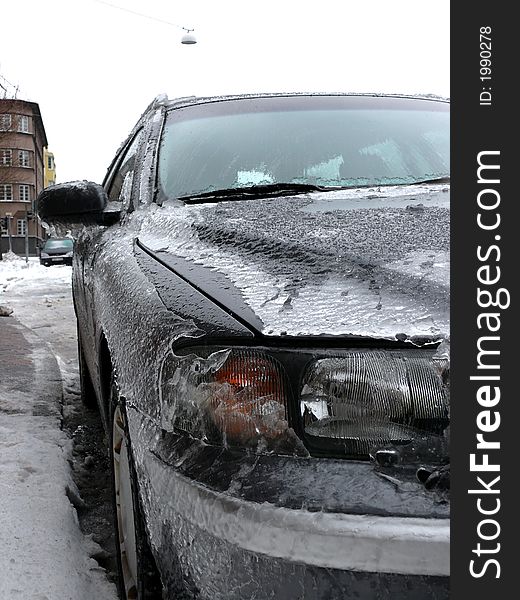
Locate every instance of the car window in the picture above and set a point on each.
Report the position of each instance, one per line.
(331, 142)
(64, 245)
(121, 184)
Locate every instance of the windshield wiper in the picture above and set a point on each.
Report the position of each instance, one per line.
(273, 190)
(256, 191)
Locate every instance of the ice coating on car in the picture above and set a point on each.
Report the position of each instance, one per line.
(320, 265)
(215, 538)
(195, 397)
(234, 505)
(107, 288)
(186, 101)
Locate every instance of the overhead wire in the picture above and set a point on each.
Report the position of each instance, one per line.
(139, 14)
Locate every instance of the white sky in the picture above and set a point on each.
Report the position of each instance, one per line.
(94, 69)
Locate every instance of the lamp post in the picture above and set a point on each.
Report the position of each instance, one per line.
(26, 235)
(9, 218)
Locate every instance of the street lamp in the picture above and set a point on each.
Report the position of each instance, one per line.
(188, 37)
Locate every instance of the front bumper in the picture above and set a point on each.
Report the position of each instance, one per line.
(327, 540)
(229, 525)
(56, 260)
(210, 545)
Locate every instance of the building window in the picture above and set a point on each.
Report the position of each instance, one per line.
(23, 124)
(23, 157)
(25, 193)
(21, 226)
(5, 122)
(6, 192)
(49, 162)
(3, 226)
(6, 158)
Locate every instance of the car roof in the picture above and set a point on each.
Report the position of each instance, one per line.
(163, 100)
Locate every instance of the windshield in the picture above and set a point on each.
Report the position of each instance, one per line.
(327, 141)
(63, 245)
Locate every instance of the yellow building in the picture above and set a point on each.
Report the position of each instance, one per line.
(49, 168)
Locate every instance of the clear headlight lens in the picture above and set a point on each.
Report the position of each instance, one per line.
(364, 401)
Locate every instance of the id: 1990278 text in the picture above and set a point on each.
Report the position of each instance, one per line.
(485, 66)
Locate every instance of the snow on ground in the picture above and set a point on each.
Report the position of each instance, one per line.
(43, 554)
(41, 299)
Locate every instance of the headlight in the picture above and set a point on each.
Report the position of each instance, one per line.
(354, 405)
(69, 254)
(236, 397)
(44, 255)
(362, 402)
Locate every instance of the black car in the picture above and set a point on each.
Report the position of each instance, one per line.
(57, 251)
(262, 292)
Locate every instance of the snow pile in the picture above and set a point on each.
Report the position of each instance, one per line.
(14, 269)
(11, 257)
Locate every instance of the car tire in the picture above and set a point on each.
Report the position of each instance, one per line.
(138, 576)
(87, 392)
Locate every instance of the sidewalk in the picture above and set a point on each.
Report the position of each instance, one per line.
(43, 553)
(26, 366)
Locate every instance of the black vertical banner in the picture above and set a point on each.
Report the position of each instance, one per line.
(485, 255)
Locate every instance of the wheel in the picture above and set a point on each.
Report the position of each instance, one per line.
(88, 395)
(138, 576)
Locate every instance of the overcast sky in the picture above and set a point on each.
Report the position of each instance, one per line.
(93, 69)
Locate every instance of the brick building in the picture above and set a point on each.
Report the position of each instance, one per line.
(22, 143)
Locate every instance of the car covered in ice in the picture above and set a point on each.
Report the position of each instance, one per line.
(261, 286)
(57, 251)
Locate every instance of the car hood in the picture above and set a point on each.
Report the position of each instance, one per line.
(364, 262)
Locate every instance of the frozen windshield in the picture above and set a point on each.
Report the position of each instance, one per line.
(327, 141)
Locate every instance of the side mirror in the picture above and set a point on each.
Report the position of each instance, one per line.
(76, 202)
